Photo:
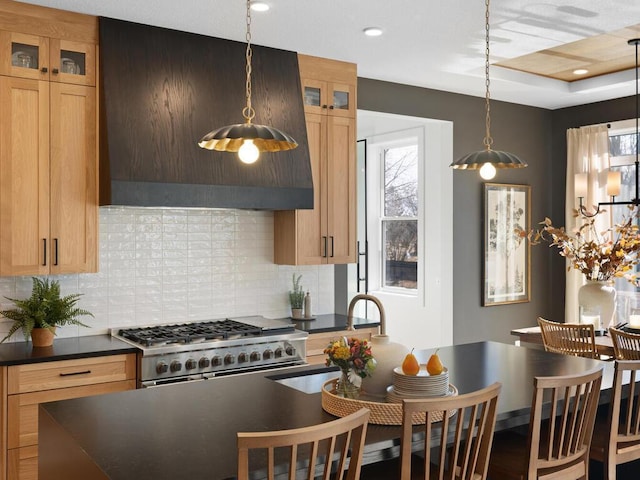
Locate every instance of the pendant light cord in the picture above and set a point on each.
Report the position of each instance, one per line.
(248, 112)
(488, 141)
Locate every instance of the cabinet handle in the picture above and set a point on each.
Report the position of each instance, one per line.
(84, 372)
(55, 251)
(44, 252)
(331, 107)
(324, 239)
(44, 69)
(331, 246)
(324, 106)
(55, 71)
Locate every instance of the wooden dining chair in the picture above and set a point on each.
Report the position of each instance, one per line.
(314, 449)
(561, 424)
(626, 346)
(568, 338)
(616, 437)
(463, 426)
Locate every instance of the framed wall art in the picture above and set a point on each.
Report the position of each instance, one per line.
(507, 255)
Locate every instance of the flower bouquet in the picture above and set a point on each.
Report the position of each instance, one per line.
(353, 357)
(601, 256)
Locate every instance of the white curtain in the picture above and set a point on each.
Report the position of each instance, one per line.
(587, 152)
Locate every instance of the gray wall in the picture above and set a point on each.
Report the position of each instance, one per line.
(525, 131)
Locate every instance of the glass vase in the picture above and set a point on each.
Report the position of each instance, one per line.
(345, 387)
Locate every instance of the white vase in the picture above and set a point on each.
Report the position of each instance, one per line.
(388, 355)
(597, 296)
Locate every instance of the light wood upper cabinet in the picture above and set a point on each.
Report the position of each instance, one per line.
(73, 179)
(325, 234)
(24, 176)
(42, 58)
(48, 152)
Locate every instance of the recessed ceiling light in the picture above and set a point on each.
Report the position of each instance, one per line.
(580, 71)
(259, 6)
(372, 31)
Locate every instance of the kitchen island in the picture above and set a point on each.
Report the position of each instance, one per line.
(189, 430)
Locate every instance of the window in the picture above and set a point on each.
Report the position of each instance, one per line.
(399, 220)
(622, 151)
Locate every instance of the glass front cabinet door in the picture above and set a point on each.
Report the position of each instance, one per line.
(42, 58)
(328, 98)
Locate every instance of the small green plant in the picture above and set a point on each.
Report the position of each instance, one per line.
(296, 296)
(44, 309)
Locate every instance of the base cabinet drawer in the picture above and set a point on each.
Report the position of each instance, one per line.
(22, 463)
(70, 373)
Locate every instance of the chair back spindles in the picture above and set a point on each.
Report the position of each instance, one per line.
(568, 338)
(334, 443)
(617, 438)
(626, 345)
(563, 411)
(464, 435)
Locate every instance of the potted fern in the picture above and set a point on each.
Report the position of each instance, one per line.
(40, 314)
(296, 297)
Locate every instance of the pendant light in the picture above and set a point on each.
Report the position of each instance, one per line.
(614, 178)
(488, 160)
(248, 139)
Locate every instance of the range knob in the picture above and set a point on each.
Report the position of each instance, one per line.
(191, 364)
(267, 354)
(162, 367)
(290, 350)
(175, 366)
(255, 356)
(216, 361)
(203, 362)
(229, 358)
(279, 352)
(243, 357)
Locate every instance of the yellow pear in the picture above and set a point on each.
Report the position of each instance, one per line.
(410, 365)
(434, 365)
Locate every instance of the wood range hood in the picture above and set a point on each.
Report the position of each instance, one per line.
(162, 90)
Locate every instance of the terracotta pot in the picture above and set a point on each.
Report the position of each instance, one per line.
(42, 337)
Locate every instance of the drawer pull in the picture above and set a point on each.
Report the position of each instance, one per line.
(75, 373)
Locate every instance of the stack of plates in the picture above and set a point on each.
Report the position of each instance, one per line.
(418, 386)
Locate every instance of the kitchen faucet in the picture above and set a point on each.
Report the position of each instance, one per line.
(363, 296)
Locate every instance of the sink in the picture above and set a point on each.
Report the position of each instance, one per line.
(307, 381)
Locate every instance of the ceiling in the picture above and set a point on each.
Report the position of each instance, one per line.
(427, 43)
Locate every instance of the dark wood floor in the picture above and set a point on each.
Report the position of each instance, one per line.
(628, 471)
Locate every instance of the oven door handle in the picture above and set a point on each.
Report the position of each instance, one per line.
(171, 381)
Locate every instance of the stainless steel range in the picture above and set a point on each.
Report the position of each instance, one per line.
(202, 350)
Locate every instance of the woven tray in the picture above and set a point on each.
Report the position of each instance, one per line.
(381, 413)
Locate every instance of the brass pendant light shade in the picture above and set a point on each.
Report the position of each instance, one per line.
(488, 160)
(231, 137)
(247, 139)
(475, 160)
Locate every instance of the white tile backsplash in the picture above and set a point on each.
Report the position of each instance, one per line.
(173, 265)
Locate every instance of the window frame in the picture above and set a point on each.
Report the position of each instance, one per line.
(409, 141)
(615, 162)
(411, 136)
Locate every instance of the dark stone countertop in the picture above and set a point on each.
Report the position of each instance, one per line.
(332, 322)
(19, 353)
(189, 430)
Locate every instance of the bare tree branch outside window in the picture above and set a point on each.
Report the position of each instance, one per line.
(400, 225)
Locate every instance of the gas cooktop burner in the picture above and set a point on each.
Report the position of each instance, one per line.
(190, 332)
